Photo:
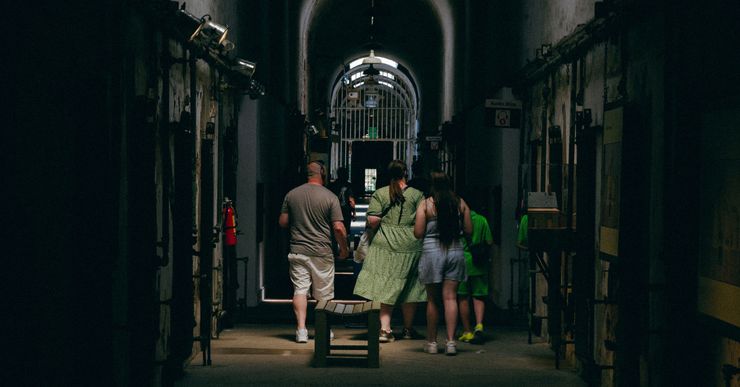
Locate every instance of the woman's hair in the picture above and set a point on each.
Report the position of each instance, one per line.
(396, 172)
(447, 205)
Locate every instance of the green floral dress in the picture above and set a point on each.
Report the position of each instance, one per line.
(390, 271)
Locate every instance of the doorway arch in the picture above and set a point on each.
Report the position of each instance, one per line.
(373, 99)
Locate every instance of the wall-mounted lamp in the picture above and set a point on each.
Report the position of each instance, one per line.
(202, 31)
(211, 33)
(244, 67)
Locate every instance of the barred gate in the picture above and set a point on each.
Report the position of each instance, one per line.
(372, 105)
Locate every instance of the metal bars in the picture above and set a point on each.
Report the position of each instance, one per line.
(372, 109)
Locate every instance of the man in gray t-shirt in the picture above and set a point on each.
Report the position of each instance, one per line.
(312, 212)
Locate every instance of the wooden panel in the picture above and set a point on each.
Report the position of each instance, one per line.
(331, 306)
(321, 304)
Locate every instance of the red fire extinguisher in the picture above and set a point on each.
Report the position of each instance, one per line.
(229, 223)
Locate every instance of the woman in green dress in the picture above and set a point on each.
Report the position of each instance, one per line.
(390, 271)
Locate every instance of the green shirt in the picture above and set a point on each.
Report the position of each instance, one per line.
(481, 234)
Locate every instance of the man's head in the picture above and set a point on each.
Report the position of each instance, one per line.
(316, 172)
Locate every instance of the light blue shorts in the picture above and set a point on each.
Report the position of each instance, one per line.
(438, 264)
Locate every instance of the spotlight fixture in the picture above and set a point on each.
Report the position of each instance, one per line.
(244, 67)
(212, 33)
(202, 31)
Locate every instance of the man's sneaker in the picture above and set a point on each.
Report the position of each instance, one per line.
(431, 347)
(478, 327)
(451, 348)
(466, 337)
(301, 335)
(386, 336)
(410, 334)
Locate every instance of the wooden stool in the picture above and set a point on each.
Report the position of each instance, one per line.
(323, 346)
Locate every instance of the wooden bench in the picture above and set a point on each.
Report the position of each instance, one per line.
(323, 346)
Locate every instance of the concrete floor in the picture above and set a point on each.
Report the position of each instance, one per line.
(267, 355)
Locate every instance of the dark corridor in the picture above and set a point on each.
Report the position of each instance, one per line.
(131, 122)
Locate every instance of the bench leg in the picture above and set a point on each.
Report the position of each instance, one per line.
(373, 341)
(321, 340)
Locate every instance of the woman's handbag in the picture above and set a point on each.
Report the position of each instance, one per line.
(364, 245)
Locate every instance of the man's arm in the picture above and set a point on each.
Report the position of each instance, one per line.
(284, 220)
(340, 233)
(352, 206)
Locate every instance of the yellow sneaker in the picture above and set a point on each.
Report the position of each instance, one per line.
(466, 337)
(478, 327)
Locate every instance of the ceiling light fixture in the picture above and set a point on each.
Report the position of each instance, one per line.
(371, 60)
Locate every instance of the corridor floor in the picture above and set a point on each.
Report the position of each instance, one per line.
(266, 355)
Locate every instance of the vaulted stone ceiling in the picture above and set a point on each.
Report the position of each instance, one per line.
(407, 31)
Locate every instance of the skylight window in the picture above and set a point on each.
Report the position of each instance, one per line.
(388, 62)
(387, 75)
(355, 63)
(385, 61)
(385, 84)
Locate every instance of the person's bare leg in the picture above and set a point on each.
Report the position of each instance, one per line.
(449, 296)
(300, 303)
(464, 306)
(409, 310)
(385, 317)
(479, 304)
(432, 311)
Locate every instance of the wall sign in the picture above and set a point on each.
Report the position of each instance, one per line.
(503, 113)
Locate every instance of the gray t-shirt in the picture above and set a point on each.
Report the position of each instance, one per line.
(311, 210)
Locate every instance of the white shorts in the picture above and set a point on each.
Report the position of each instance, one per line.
(317, 271)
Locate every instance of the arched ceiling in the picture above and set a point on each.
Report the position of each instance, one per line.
(407, 31)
